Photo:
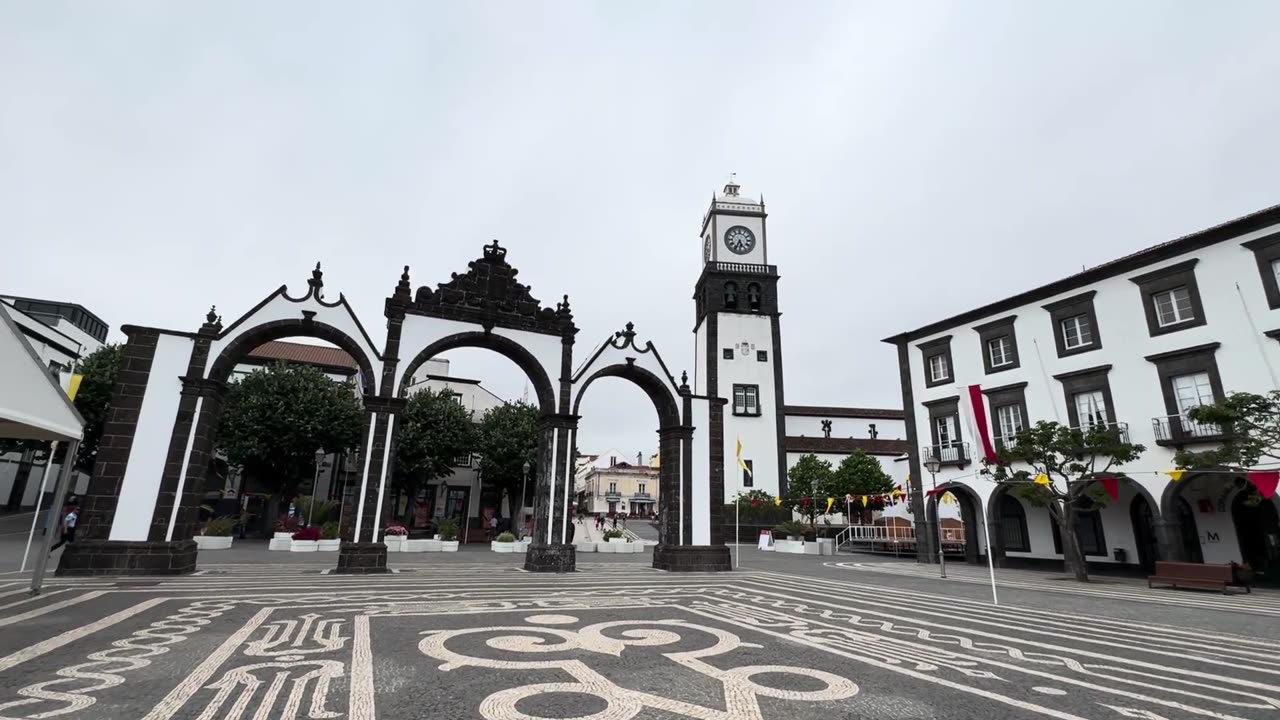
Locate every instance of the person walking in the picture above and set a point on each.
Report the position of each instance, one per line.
(68, 526)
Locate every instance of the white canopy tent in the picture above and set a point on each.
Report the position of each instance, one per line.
(34, 407)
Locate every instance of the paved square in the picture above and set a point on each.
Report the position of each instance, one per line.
(476, 637)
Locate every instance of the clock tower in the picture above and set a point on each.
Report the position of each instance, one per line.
(739, 346)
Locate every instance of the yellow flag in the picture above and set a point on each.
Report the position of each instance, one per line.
(1042, 479)
(830, 501)
(777, 501)
(741, 464)
(74, 387)
(1174, 475)
(864, 501)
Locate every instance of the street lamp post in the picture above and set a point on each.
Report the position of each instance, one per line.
(933, 465)
(524, 486)
(315, 482)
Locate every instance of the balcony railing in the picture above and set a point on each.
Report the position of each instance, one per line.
(956, 453)
(1104, 432)
(1182, 430)
(749, 269)
(613, 495)
(641, 496)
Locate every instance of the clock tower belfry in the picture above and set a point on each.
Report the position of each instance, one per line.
(739, 346)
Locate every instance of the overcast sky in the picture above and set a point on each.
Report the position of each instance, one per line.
(156, 158)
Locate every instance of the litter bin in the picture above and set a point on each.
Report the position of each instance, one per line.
(826, 546)
(1119, 554)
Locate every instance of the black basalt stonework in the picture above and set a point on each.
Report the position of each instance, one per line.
(104, 557)
(692, 558)
(366, 558)
(551, 558)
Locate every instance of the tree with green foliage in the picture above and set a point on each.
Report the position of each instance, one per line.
(507, 439)
(1251, 428)
(275, 418)
(93, 399)
(807, 481)
(1072, 459)
(858, 474)
(434, 431)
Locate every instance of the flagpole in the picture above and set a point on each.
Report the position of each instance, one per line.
(737, 533)
(991, 563)
(44, 482)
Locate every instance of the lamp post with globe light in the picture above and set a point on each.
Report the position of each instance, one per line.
(933, 465)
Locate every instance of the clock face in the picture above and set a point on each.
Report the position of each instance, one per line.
(739, 240)
(706, 249)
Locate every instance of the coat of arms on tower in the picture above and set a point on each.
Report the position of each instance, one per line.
(745, 348)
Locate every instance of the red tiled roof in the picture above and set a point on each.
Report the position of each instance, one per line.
(306, 354)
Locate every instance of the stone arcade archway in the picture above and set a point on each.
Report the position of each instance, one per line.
(970, 516)
(141, 509)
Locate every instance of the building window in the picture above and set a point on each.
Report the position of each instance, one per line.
(762, 356)
(462, 461)
(613, 488)
(731, 295)
(1013, 525)
(1171, 298)
(641, 490)
(1267, 252)
(1009, 406)
(1000, 345)
(1000, 351)
(1093, 541)
(746, 399)
(1076, 332)
(1192, 391)
(937, 361)
(1008, 423)
(1188, 378)
(753, 297)
(749, 474)
(727, 353)
(938, 368)
(1173, 307)
(457, 397)
(944, 431)
(1091, 409)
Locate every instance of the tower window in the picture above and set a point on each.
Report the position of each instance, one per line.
(746, 399)
(753, 297)
(731, 296)
(727, 353)
(762, 356)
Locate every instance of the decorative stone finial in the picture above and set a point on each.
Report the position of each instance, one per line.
(212, 315)
(402, 287)
(317, 277)
(684, 378)
(494, 251)
(630, 332)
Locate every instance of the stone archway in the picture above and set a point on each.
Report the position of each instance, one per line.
(970, 516)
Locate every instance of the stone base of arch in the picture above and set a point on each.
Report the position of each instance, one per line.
(366, 558)
(692, 558)
(117, 557)
(559, 558)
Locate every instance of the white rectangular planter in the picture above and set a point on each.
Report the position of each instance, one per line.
(394, 543)
(449, 545)
(415, 546)
(795, 547)
(811, 548)
(431, 545)
(582, 547)
(523, 546)
(606, 547)
(213, 542)
(328, 545)
(302, 545)
(280, 543)
(502, 547)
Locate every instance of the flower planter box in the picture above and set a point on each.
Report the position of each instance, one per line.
(431, 545)
(795, 547)
(583, 547)
(449, 545)
(213, 542)
(502, 547)
(606, 547)
(414, 546)
(328, 545)
(284, 535)
(523, 545)
(302, 545)
(811, 548)
(280, 543)
(394, 543)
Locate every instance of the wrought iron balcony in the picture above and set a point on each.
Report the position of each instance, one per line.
(956, 453)
(613, 495)
(1103, 432)
(641, 496)
(1179, 430)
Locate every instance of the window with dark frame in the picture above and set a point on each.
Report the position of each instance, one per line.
(1013, 525)
(1188, 377)
(727, 353)
(1267, 252)
(944, 431)
(1093, 541)
(1171, 298)
(731, 295)
(746, 400)
(937, 361)
(753, 297)
(1088, 396)
(748, 475)
(1009, 411)
(999, 345)
(762, 356)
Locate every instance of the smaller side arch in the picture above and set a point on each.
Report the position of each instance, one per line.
(970, 503)
(246, 341)
(652, 385)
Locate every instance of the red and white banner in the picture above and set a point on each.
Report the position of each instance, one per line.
(975, 410)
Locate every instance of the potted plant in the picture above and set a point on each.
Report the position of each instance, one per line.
(448, 529)
(394, 536)
(788, 537)
(329, 541)
(305, 540)
(286, 526)
(505, 543)
(216, 534)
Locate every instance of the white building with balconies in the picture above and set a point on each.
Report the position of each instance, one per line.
(1131, 344)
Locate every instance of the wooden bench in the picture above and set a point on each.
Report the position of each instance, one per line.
(1197, 575)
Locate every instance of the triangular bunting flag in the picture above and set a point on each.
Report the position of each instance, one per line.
(1111, 485)
(1174, 475)
(830, 501)
(777, 501)
(1266, 481)
(864, 500)
(1042, 479)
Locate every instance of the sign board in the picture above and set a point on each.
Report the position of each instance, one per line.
(766, 540)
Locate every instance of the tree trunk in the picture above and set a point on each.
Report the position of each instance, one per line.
(1071, 555)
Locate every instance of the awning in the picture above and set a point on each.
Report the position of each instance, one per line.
(32, 405)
